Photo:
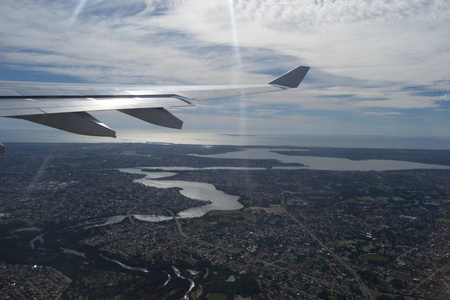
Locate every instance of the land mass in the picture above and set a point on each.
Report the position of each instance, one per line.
(68, 226)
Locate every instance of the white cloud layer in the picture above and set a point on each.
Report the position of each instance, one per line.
(375, 58)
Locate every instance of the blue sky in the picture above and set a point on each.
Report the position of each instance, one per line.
(377, 67)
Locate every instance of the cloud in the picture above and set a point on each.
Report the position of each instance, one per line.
(389, 113)
(368, 58)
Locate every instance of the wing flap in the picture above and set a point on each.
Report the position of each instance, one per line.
(75, 122)
(157, 116)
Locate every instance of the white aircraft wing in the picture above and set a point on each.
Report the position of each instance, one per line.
(65, 106)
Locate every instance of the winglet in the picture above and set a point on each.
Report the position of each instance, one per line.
(2, 149)
(292, 78)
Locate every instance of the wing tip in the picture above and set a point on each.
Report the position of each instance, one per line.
(293, 78)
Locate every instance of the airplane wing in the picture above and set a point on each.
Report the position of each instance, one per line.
(65, 106)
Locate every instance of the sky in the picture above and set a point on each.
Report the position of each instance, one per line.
(378, 67)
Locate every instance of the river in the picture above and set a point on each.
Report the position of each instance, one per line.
(324, 163)
(221, 201)
(191, 189)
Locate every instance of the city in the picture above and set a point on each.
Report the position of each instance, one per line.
(69, 215)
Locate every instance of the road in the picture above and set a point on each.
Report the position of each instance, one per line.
(179, 228)
(362, 287)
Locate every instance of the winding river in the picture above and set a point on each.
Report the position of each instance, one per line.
(191, 189)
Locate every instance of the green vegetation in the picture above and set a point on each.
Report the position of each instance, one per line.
(217, 296)
(23, 210)
(308, 261)
(249, 216)
(363, 190)
(9, 237)
(219, 283)
(369, 248)
(225, 213)
(443, 220)
(260, 185)
(247, 202)
(227, 217)
(332, 297)
(190, 260)
(237, 250)
(225, 220)
(289, 183)
(202, 224)
(364, 199)
(374, 259)
(385, 188)
(29, 210)
(196, 294)
(341, 242)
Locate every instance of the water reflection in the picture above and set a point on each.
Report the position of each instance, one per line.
(192, 283)
(124, 265)
(325, 163)
(194, 190)
(221, 201)
(39, 238)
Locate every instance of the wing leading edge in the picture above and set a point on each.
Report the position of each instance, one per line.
(65, 106)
